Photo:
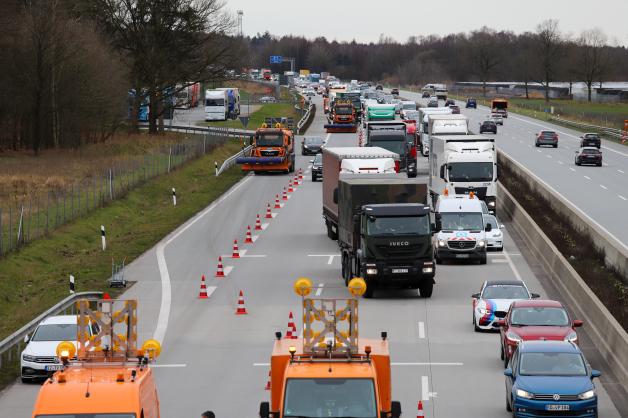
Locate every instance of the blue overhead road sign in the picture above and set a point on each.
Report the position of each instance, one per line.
(276, 59)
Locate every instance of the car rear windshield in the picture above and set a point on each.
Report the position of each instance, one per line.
(505, 292)
(330, 398)
(269, 140)
(105, 415)
(55, 332)
(318, 159)
(214, 102)
(591, 136)
(590, 151)
(539, 316)
(548, 133)
(552, 364)
(403, 225)
(313, 140)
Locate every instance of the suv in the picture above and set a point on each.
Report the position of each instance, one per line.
(450, 102)
(546, 138)
(317, 167)
(590, 140)
(488, 126)
(471, 104)
(394, 92)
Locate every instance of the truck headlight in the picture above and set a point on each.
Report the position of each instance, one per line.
(371, 271)
(428, 269)
(441, 243)
(587, 395)
(524, 394)
(481, 243)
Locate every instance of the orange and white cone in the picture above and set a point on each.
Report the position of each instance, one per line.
(420, 413)
(290, 189)
(285, 194)
(241, 308)
(295, 181)
(268, 382)
(236, 251)
(203, 293)
(291, 333)
(300, 174)
(249, 237)
(258, 223)
(220, 271)
(277, 204)
(269, 214)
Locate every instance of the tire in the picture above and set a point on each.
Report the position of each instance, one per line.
(599, 164)
(536, 144)
(313, 178)
(500, 249)
(577, 162)
(437, 260)
(555, 145)
(505, 361)
(426, 288)
(508, 407)
(475, 327)
(501, 351)
(345, 268)
(291, 168)
(25, 380)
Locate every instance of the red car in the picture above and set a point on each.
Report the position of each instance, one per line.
(535, 320)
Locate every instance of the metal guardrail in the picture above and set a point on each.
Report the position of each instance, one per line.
(304, 120)
(230, 132)
(610, 132)
(15, 341)
(230, 162)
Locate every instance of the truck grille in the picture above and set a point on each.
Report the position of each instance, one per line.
(480, 192)
(399, 252)
(461, 245)
(550, 397)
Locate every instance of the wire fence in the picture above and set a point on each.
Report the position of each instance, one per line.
(34, 216)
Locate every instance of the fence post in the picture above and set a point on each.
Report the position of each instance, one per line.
(47, 211)
(37, 232)
(10, 226)
(72, 204)
(19, 227)
(110, 185)
(30, 217)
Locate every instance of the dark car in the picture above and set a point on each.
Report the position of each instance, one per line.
(488, 126)
(589, 155)
(394, 92)
(311, 145)
(426, 95)
(450, 102)
(546, 138)
(379, 87)
(471, 104)
(455, 109)
(317, 167)
(590, 140)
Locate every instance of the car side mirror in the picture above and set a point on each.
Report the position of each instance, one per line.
(395, 409)
(475, 296)
(264, 410)
(595, 374)
(336, 195)
(26, 338)
(577, 323)
(442, 171)
(535, 295)
(508, 372)
(488, 228)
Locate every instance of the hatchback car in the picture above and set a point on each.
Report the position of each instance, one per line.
(550, 378)
(317, 167)
(590, 140)
(535, 320)
(589, 155)
(492, 302)
(488, 126)
(546, 138)
(312, 145)
(471, 104)
(433, 102)
(495, 238)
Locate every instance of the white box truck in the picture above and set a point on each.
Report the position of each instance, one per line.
(216, 105)
(462, 164)
(424, 136)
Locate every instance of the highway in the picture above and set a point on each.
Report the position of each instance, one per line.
(600, 192)
(213, 359)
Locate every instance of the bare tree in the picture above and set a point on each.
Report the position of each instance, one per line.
(593, 57)
(484, 54)
(550, 47)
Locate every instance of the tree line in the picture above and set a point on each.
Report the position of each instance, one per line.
(67, 67)
(544, 56)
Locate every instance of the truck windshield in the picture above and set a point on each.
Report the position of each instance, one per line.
(269, 140)
(103, 415)
(404, 225)
(330, 398)
(470, 172)
(461, 221)
(344, 110)
(397, 144)
(214, 102)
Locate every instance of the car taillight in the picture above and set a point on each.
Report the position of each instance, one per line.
(397, 166)
(413, 152)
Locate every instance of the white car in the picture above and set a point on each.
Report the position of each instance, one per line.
(39, 358)
(494, 299)
(497, 118)
(495, 238)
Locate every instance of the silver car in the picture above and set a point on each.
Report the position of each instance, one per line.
(494, 238)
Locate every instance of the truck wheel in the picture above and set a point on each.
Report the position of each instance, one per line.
(426, 289)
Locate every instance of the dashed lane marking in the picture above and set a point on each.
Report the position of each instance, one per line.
(425, 390)
(621, 197)
(499, 260)
(330, 257)
(621, 171)
(603, 187)
(572, 169)
(587, 177)
(421, 329)
(227, 269)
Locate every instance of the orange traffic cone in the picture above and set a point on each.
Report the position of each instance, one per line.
(285, 194)
(203, 293)
(295, 181)
(269, 214)
(300, 174)
(258, 223)
(249, 238)
(420, 413)
(290, 189)
(236, 252)
(241, 308)
(291, 333)
(277, 205)
(268, 382)
(220, 272)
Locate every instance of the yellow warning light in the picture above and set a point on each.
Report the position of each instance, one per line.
(303, 286)
(152, 348)
(357, 286)
(66, 350)
(471, 195)
(278, 125)
(292, 350)
(264, 125)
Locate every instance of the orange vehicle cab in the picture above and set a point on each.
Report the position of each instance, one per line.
(272, 149)
(500, 106)
(342, 117)
(106, 375)
(330, 372)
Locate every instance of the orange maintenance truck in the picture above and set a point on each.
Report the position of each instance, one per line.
(106, 375)
(500, 106)
(330, 372)
(342, 117)
(272, 149)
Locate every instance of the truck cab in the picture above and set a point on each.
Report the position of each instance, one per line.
(342, 117)
(393, 137)
(272, 150)
(424, 135)
(330, 372)
(500, 106)
(461, 232)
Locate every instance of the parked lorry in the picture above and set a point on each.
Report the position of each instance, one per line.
(233, 101)
(331, 371)
(424, 136)
(188, 96)
(500, 106)
(460, 229)
(216, 105)
(461, 164)
(333, 159)
(384, 232)
(342, 117)
(105, 374)
(272, 150)
(391, 135)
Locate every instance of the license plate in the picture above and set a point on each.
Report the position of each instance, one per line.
(462, 255)
(399, 271)
(557, 407)
(54, 367)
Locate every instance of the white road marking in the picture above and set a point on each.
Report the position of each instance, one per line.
(512, 265)
(572, 169)
(499, 260)
(549, 156)
(538, 150)
(227, 270)
(560, 162)
(253, 256)
(264, 226)
(166, 289)
(621, 171)
(254, 238)
(211, 290)
(261, 364)
(165, 366)
(320, 289)
(427, 364)
(425, 395)
(605, 165)
(500, 254)
(622, 197)
(587, 177)
(307, 172)
(330, 257)
(421, 329)
(603, 187)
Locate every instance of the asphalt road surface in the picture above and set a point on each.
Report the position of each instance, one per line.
(213, 359)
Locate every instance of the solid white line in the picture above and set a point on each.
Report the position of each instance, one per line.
(499, 260)
(261, 364)
(512, 265)
(166, 366)
(253, 255)
(427, 364)
(621, 171)
(166, 289)
(320, 289)
(622, 197)
(603, 187)
(572, 169)
(421, 329)
(425, 392)
(587, 177)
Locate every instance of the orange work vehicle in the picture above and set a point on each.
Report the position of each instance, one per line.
(500, 106)
(106, 375)
(273, 150)
(342, 117)
(326, 105)
(330, 373)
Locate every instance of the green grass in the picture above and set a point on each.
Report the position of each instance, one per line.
(258, 117)
(36, 277)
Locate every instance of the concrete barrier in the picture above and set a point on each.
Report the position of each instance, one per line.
(610, 338)
(615, 252)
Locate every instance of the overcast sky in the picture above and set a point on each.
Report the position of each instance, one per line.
(365, 20)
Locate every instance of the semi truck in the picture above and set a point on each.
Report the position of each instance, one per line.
(272, 150)
(233, 101)
(463, 164)
(384, 232)
(446, 124)
(500, 106)
(333, 159)
(216, 105)
(424, 137)
(331, 371)
(391, 135)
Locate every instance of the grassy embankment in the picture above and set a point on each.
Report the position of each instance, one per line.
(258, 117)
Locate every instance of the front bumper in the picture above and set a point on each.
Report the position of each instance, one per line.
(495, 243)
(530, 408)
(398, 274)
(444, 253)
(33, 370)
